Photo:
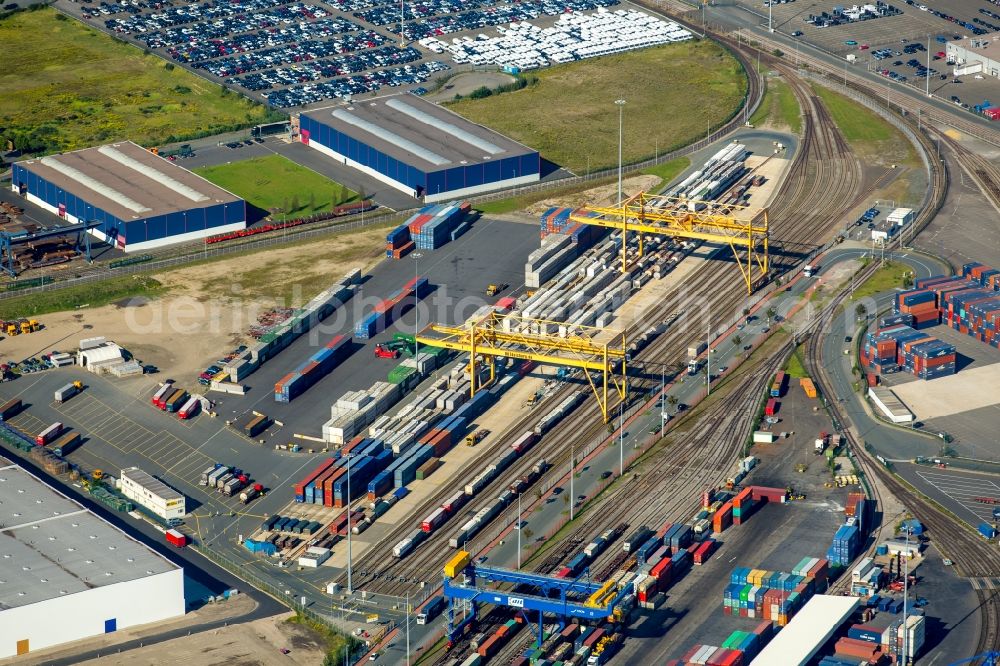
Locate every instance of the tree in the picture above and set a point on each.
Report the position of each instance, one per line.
(672, 401)
(295, 204)
(737, 340)
(908, 280)
(527, 533)
(361, 193)
(285, 206)
(342, 196)
(312, 201)
(861, 310)
(771, 312)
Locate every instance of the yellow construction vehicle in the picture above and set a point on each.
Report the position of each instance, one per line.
(78, 385)
(476, 437)
(11, 328)
(97, 475)
(495, 289)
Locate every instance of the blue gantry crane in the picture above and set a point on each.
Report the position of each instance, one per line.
(987, 659)
(577, 598)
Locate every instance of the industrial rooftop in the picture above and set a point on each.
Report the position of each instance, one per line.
(128, 181)
(418, 132)
(51, 546)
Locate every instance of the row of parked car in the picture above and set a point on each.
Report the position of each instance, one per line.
(242, 63)
(947, 17)
(216, 40)
(205, 378)
(433, 18)
(354, 85)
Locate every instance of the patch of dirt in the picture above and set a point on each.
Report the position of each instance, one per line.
(598, 196)
(208, 308)
(466, 82)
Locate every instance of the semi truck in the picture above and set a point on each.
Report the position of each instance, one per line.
(431, 610)
(161, 395)
(234, 485)
(820, 443)
(68, 391)
(175, 538)
(250, 493)
(49, 434)
(190, 408)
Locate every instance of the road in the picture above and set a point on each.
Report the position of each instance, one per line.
(734, 17)
(206, 575)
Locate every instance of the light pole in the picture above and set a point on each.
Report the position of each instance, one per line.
(572, 469)
(708, 361)
(621, 440)
(906, 575)
(407, 628)
(416, 315)
(621, 107)
(928, 72)
(350, 585)
(770, 28)
(663, 385)
(519, 524)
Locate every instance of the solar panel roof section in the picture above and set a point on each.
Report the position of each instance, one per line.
(93, 184)
(148, 171)
(393, 138)
(444, 126)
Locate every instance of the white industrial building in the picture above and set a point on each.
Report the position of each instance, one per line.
(808, 631)
(66, 574)
(975, 55)
(152, 494)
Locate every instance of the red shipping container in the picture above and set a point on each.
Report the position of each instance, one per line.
(328, 485)
(854, 648)
(770, 494)
(176, 538)
(743, 496)
(300, 487)
(594, 636)
(771, 408)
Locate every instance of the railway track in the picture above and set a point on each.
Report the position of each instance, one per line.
(973, 556)
(912, 104)
(805, 213)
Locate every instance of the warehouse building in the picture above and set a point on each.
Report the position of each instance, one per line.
(142, 201)
(418, 147)
(152, 494)
(975, 55)
(66, 574)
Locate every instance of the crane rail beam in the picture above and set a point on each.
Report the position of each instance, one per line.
(732, 225)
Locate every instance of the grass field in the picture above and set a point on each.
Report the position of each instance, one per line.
(275, 182)
(86, 295)
(869, 135)
(779, 107)
(668, 170)
(673, 94)
(68, 86)
(891, 276)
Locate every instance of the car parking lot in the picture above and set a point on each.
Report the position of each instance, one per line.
(300, 54)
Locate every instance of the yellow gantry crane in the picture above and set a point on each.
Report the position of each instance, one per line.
(737, 226)
(497, 335)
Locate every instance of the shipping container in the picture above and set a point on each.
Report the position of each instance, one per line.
(175, 401)
(176, 538)
(65, 444)
(49, 434)
(431, 610)
(161, 395)
(66, 392)
(190, 408)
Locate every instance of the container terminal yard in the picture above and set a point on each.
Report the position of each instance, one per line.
(717, 422)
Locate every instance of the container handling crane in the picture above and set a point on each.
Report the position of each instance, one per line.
(578, 598)
(725, 224)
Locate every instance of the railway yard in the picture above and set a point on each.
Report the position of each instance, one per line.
(735, 419)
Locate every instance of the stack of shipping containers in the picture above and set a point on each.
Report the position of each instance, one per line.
(387, 309)
(313, 369)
